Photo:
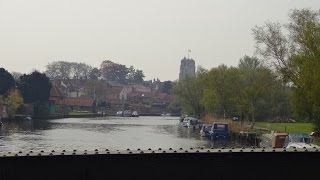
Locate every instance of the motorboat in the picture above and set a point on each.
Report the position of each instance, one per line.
(127, 113)
(27, 118)
(219, 131)
(119, 113)
(165, 114)
(184, 123)
(204, 132)
(299, 141)
(190, 122)
(135, 114)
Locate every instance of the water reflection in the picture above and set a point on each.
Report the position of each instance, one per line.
(108, 132)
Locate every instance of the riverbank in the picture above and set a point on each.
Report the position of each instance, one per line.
(286, 127)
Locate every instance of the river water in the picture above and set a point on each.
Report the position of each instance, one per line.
(115, 133)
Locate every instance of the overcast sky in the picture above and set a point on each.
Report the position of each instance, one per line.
(150, 35)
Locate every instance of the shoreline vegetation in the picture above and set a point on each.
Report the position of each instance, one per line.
(262, 127)
(279, 84)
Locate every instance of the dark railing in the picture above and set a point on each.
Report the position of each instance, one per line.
(246, 163)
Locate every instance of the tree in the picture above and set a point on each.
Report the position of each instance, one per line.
(296, 57)
(35, 87)
(94, 74)
(6, 81)
(16, 76)
(114, 72)
(190, 92)
(68, 70)
(258, 82)
(131, 74)
(217, 94)
(167, 87)
(59, 70)
(138, 76)
(14, 100)
(80, 70)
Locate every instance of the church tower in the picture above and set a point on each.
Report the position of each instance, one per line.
(187, 68)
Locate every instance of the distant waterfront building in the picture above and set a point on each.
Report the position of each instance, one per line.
(187, 68)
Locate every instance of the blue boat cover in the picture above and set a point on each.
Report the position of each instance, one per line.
(299, 135)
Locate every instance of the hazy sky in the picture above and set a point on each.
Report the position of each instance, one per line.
(150, 35)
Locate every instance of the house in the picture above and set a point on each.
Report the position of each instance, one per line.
(56, 96)
(77, 103)
(139, 88)
(3, 108)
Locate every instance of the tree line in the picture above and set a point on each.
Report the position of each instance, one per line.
(109, 71)
(283, 80)
(33, 88)
(249, 91)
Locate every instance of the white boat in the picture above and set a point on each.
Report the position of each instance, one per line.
(119, 113)
(135, 114)
(127, 113)
(28, 118)
(190, 122)
(165, 114)
(299, 141)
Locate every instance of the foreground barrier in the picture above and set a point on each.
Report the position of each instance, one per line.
(160, 163)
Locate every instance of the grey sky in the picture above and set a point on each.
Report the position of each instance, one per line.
(150, 35)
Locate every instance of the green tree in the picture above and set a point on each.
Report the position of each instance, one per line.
(190, 92)
(258, 81)
(218, 91)
(296, 57)
(14, 100)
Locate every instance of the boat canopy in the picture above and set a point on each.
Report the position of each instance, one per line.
(299, 136)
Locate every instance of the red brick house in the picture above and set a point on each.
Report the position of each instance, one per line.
(77, 103)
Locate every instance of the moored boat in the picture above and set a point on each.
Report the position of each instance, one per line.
(299, 141)
(135, 114)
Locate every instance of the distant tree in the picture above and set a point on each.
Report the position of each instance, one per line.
(68, 70)
(14, 100)
(167, 87)
(35, 87)
(59, 70)
(80, 70)
(16, 76)
(6, 81)
(138, 76)
(131, 74)
(114, 72)
(94, 74)
(135, 75)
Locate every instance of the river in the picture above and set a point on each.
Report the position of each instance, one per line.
(99, 133)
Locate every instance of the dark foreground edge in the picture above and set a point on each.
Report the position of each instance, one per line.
(163, 164)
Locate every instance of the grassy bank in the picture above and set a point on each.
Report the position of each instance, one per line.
(288, 127)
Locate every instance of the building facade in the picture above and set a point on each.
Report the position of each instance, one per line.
(187, 68)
